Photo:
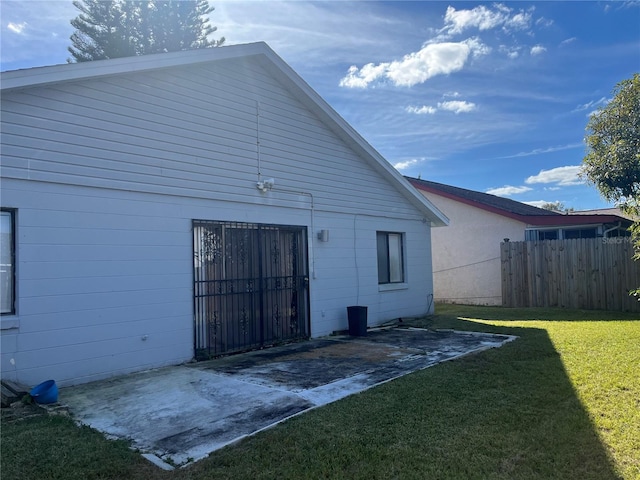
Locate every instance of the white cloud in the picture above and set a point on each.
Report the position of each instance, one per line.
(511, 52)
(451, 94)
(539, 203)
(540, 151)
(417, 67)
(520, 21)
(481, 17)
(441, 56)
(457, 106)
(422, 110)
(628, 4)
(537, 50)
(312, 34)
(360, 78)
(545, 22)
(407, 163)
(562, 176)
(568, 41)
(484, 18)
(17, 27)
(508, 190)
(592, 104)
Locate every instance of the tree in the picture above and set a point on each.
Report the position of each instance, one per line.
(556, 207)
(612, 162)
(103, 30)
(122, 28)
(178, 25)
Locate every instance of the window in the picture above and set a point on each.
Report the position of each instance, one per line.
(580, 233)
(7, 261)
(390, 258)
(548, 235)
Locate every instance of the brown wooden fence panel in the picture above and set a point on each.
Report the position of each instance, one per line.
(588, 273)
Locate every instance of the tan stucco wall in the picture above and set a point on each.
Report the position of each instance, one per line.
(466, 254)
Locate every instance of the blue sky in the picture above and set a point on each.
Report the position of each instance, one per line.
(493, 97)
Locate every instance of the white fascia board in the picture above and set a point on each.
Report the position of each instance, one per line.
(41, 76)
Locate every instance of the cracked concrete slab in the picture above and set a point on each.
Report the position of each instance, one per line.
(181, 414)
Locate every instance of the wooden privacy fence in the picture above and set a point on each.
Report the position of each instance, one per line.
(587, 273)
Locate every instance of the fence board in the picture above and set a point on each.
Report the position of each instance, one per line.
(587, 273)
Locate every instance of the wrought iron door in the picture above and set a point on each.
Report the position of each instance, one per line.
(250, 286)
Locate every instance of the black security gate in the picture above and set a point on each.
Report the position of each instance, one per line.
(250, 286)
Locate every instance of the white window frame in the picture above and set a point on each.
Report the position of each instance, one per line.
(390, 253)
(8, 265)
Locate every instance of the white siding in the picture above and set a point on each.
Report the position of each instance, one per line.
(107, 175)
(189, 132)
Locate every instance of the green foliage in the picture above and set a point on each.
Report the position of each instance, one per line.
(556, 207)
(612, 162)
(123, 28)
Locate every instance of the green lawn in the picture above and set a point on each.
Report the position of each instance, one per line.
(563, 401)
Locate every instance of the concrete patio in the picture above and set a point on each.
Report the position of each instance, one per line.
(180, 414)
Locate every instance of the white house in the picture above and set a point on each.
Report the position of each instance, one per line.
(466, 255)
(188, 204)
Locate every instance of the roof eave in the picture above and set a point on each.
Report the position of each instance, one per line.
(42, 76)
(573, 220)
(532, 220)
(483, 206)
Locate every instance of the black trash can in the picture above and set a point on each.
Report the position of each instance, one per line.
(357, 316)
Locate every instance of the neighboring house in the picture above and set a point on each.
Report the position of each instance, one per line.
(466, 255)
(189, 204)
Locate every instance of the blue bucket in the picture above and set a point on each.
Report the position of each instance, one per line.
(46, 392)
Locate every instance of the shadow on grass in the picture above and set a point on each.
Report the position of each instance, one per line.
(507, 413)
(531, 415)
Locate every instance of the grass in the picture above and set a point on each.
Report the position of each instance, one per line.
(563, 401)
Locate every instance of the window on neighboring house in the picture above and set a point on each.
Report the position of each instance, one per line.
(547, 234)
(390, 257)
(7, 261)
(580, 233)
(619, 232)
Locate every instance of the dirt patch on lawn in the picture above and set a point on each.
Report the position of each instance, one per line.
(352, 350)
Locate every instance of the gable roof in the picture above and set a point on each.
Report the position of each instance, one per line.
(512, 209)
(259, 52)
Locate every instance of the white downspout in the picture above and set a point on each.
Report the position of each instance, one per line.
(604, 234)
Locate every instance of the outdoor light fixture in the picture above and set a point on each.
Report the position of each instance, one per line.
(265, 185)
(323, 235)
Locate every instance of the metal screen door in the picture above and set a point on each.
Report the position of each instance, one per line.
(250, 286)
